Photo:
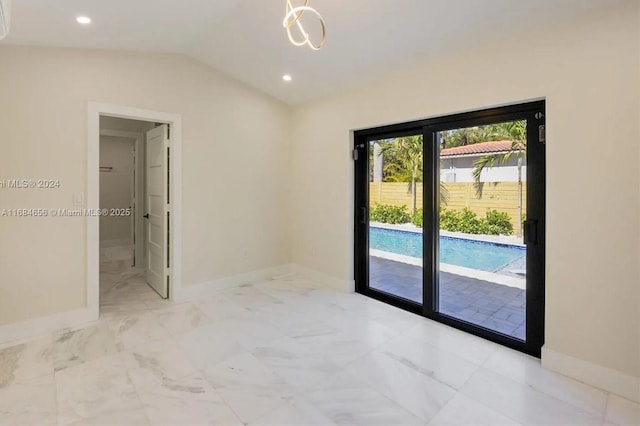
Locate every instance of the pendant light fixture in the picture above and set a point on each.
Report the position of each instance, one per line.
(292, 19)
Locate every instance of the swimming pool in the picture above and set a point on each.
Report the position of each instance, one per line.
(454, 251)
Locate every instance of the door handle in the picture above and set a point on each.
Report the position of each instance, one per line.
(146, 216)
(530, 231)
(363, 219)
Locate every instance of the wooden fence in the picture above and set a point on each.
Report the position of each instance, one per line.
(501, 196)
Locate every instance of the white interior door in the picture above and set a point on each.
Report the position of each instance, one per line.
(157, 203)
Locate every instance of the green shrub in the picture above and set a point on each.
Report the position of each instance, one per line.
(465, 220)
(470, 223)
(498, 223)
(495, 223)
(449, 220)
(390, 214)
(418, 218)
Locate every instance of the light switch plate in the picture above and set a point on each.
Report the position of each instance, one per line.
(78, 198)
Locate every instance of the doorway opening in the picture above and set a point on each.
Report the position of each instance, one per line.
(124, 227)
(134, 238)
(450, 216)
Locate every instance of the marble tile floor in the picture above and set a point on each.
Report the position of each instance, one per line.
(286, 351)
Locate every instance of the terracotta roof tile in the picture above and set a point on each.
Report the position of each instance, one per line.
(478, 148)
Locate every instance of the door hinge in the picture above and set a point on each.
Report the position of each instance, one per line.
(542, 133)
(355, 153)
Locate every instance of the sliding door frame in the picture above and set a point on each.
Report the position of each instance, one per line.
(534, 113)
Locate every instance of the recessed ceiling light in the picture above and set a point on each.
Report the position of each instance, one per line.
(84, 20)
(287, 77)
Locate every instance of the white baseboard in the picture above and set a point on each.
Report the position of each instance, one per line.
(35, 327)
(346, 286)
(616, 382)
(123, 242)
(210, 288)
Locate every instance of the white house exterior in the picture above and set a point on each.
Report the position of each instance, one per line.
(456, 164)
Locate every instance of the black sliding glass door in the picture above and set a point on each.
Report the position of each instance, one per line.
(449, 221)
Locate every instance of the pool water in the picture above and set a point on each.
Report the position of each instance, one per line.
(453, 251)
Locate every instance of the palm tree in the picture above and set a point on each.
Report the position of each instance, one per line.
(461, 137)
(403, 163)
(407, 165)
(516, 132)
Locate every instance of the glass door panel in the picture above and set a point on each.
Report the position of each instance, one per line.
(395, 217)
(481, 256)
(449, 220)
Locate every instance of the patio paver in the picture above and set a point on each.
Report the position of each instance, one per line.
(494, 306)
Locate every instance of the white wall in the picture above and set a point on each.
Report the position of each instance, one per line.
(236, 156)
(588, 72)
(116, 187)
(463, 169)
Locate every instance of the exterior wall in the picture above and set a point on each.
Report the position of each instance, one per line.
(461, 170)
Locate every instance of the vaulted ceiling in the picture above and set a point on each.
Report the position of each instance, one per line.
(245, 38)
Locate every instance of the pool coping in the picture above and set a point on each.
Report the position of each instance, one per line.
(508, 240)
(505, 280)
